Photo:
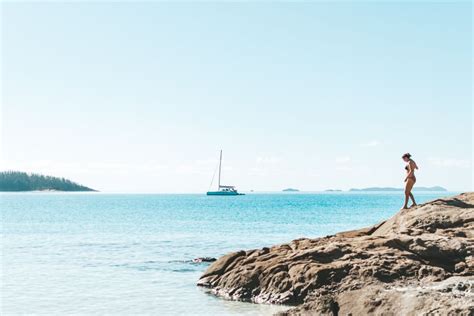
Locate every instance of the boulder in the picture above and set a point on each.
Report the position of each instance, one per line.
(420, 261)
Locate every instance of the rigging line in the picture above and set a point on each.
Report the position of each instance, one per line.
(213, 176)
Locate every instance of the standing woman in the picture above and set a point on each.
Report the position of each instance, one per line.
(410, 179)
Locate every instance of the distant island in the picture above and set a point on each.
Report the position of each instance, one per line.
(332, 190)
(16, 181)
(389, 189)
(291, 190)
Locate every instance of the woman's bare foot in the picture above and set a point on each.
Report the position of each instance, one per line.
(404, 208)
(414, 204)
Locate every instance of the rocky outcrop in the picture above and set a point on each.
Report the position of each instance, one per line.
(418, 262)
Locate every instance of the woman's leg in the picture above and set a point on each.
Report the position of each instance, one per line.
(412, 199)
(408, 186)
(405, 205)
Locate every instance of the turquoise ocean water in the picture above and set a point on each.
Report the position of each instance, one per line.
(94, 253)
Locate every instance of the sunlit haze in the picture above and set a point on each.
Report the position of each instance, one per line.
(127, 97)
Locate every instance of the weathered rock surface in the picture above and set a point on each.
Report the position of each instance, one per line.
(421, 261)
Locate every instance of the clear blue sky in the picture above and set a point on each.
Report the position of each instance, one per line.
(140, 97)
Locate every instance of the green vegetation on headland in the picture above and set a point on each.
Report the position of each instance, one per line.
(436, 189)
(16, 181)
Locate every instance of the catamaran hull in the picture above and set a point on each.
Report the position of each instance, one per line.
(223, 193)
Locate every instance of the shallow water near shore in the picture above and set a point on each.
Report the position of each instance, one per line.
(94, 253)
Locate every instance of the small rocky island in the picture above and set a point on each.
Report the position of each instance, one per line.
(419, 262)
(290, 190)
(16, 181)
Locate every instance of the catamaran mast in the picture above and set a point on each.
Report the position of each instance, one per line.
(220, 162)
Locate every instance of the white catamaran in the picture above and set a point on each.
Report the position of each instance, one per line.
(223, 189)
